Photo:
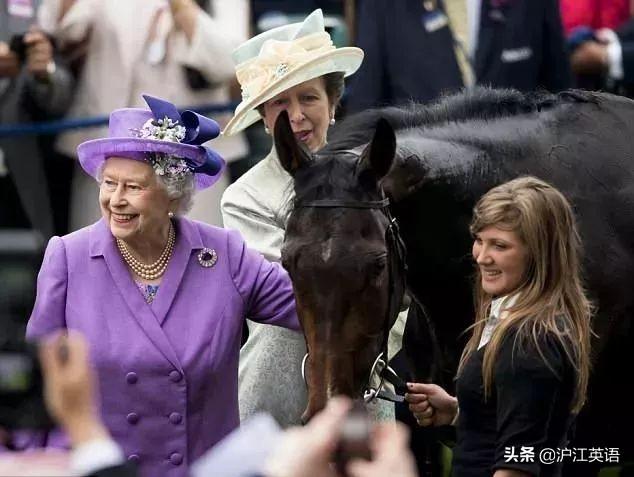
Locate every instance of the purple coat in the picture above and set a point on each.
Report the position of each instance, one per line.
(168, 372)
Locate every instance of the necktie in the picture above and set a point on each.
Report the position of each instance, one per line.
(457, 13)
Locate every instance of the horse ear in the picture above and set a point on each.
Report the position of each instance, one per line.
(292, 153)
(378, 156)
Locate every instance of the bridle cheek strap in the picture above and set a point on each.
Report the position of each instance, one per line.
(397, 268)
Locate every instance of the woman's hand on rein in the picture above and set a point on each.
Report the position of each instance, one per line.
(431, 404)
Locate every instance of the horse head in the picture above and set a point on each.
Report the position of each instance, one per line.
(338, 254)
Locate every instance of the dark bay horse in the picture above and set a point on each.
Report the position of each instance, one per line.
(433, 163)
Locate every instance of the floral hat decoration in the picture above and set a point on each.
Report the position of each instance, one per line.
(170, 141)
(283, 57)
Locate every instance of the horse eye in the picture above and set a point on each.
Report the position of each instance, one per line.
(378, 266)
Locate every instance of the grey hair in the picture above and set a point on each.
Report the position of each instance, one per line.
(181, 188)
(178, 187)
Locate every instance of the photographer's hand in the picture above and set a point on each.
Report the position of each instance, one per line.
(307, 451)
(390, 454)
(9, 62)
(69, 388)
(39, 55)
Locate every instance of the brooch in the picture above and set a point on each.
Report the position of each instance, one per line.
(280, 70)
(207, 257)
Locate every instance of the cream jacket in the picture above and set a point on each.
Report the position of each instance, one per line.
(269, 375)
(117, 71)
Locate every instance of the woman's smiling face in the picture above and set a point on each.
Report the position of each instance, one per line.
(502, 259)
(132, 202)
(309, 111)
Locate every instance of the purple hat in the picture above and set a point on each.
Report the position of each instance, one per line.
(134, 132)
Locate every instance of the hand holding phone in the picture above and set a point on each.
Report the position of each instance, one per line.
(308, 451)
(391, 455)
(354, 439)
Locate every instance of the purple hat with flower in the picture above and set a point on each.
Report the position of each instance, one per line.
(170, 141)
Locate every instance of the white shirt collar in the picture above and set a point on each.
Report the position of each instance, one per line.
(501, 304)
(497, 312)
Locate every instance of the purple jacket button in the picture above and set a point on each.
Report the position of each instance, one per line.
(175, 376)
(176, 458)
(175, 418)
(131, 378)
(133, 457)
(132, 418)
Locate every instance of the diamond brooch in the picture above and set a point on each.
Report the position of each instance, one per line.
(207, 257)
(280, 70)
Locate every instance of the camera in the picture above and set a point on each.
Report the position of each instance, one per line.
(354, 440)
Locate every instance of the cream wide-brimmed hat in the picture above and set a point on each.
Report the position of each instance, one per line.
(283, 57)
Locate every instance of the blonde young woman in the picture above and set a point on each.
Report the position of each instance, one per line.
(523, 375)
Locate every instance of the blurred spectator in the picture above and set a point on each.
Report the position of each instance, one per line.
(581, 19)
(179, 50)
(609, 55)
(35, 88)
(417, 50)
(308, 451)
(71, 393)
(260, 449)
(594, 14)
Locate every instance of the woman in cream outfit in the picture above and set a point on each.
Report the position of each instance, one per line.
(137, 47)
(297, 69)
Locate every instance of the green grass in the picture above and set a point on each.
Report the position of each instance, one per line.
(610, 472)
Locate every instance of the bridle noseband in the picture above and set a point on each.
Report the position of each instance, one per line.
(397, 275)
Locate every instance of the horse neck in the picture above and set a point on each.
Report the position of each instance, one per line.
(423, 160)
(432, 202)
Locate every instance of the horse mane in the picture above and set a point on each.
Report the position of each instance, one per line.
(479, 103)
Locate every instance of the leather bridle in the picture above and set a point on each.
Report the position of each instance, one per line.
(397, 285)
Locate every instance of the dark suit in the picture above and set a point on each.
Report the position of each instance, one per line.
(519, 45)
(626, 37)
(23, 101)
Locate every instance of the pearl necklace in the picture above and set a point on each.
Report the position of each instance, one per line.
(153, 270)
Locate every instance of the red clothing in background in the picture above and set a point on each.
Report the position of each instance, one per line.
(594, 13)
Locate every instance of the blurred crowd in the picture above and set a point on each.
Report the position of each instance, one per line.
(80, 59)
(72, 62)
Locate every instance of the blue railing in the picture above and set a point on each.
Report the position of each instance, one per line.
(61, 125)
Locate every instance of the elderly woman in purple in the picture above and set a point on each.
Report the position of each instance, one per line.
(161, 299)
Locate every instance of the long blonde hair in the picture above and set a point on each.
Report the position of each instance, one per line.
(551, 299)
